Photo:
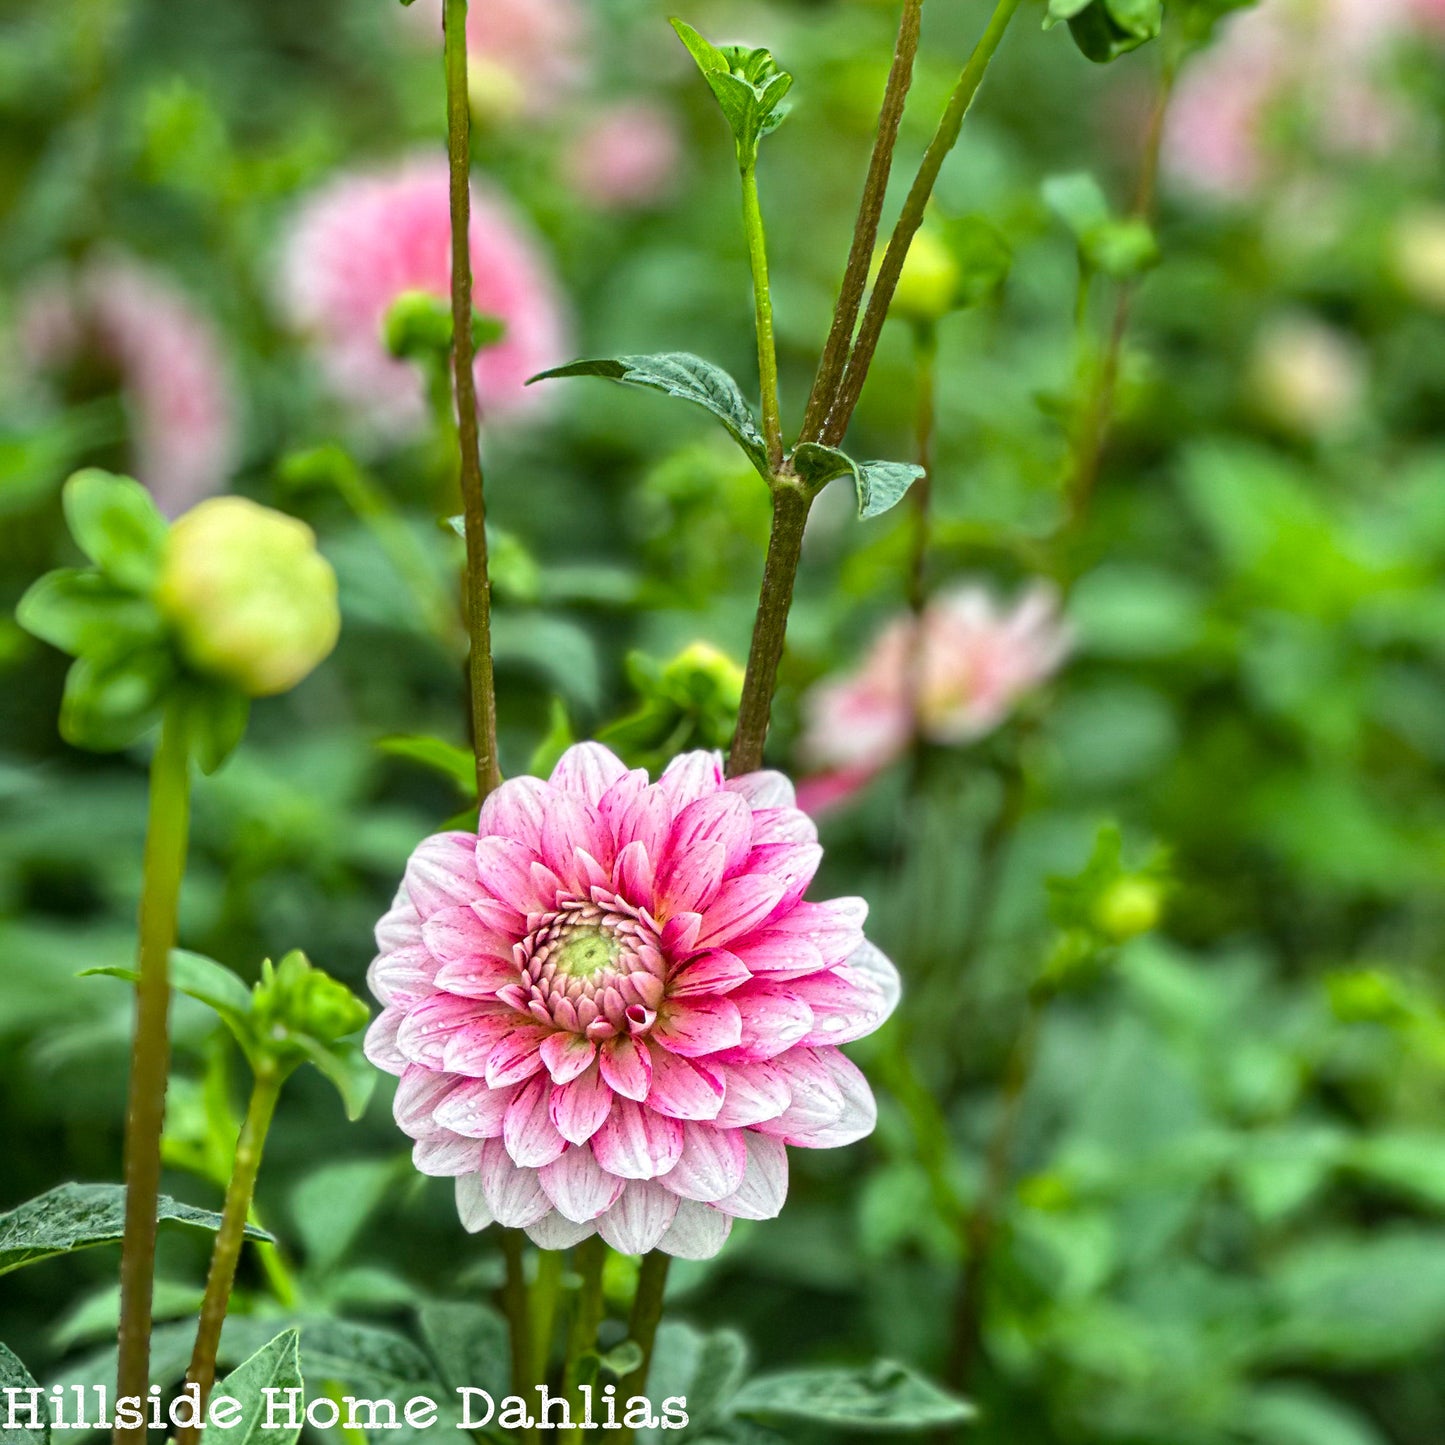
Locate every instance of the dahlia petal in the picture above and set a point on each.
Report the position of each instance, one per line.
(635, 878)
(466, 1050)
(579, 1108)
(445, 1155)
(679, 934)
(722, 818)
(457, 935)
(626, 1067)
(637, 812)
(423, 1033)
(681, 1089)
(400, 925)
(403, 976)
(860, 1110)
(817, 1101)
(635, 1143)
(783, 825)
(513, 1194)
(528, 1132)
(472, 1203)
(691, 776)
(697, 1231)
(379, 1044)
(517, 810)
(578, 1185)
(752, 1093)
(763, 789)
(503, 918)
(694, 1027)
(554, 1231)
(517, 1056)
(742, 904)
(474, 1110)
(688, 881)
(587, 769)
(712, 1164)
(418, 1093)
(441, 872)
(774, 1018)
(791, 864)
(765, 1183)
(566, 1055)
(482, 977)
(779, 956)
(573, 823)
(834, 928)
(639, 1219)
(590, 873)
(710, 973)
(506, 869)
(851, 1000)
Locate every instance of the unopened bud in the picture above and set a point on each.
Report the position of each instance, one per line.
(928, 284)
(1129, 906)
(294, 997)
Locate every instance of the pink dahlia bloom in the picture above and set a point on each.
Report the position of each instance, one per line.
(624, 157)
(129, 319)
(952, 675)
(612, 1010)
(365, 239)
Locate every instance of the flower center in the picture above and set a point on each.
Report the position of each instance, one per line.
(584, 950)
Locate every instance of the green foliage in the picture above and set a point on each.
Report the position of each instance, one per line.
(748, 84)
(880, 485)
(14, 1376)
(886, 1398)
(1114, 246)
(274, 1367)
(688, 702)
(1107, 29)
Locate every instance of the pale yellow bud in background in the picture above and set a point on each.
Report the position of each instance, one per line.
(928, 285)
(1306, 377)
(1419, 255)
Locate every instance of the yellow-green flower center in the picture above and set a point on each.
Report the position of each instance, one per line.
(586, 950)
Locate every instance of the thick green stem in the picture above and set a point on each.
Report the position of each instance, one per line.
(865, 230)
(642, 1326)
(474, 508)
(545, 1290)
(229, 1238)
(165, 860)
(517, 1307)
(850, 388)
(791, 503)
(587, 1313)
(763, 306)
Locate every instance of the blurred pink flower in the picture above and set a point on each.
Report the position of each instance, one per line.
(365, 238)
(612, 1010)
(954, 675)
(132, 319)
(625, 156)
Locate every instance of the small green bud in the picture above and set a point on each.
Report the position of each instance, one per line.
(702, 673)
(417, 324)
(1129, 906)
(928, 284)
(251, 600)
(1369, 996)
(293, 997)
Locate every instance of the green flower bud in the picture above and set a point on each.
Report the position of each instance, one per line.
(251, 600)
(293, 998)
(702, 674)
(418, 324)
(928, 284)
(1129, 906)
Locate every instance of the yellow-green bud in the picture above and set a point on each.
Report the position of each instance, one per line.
(702, 668)
(250, 598)
(294, 997)
(1128, 907)
(1419, 246)
(928, 284)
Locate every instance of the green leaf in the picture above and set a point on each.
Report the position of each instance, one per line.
(204, 980)
(683, 375)
(884, 1397)
(80, 611)
(706, 1369)
(80, 1216)
(469, 1343)
(117, 524)
(458, 764)
(984, 258)
(276, 1366)
(216, 717)
(1106, 29)
(880, 485)
(14, 1376)
(557, 739)
(330, 1205)
(347, 1068)
(1120, 248)
(747, 83)
(111, 700)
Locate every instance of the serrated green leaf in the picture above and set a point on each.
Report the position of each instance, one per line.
(818, 465)
(81, 1216)
(81, 611)
(14, 1376)
(882, 485)
(117, 524)
(747, 83)
(885, 1397)
(275, 1366)
(688, 377)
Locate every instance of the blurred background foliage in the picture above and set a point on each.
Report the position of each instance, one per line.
(1193, 1175)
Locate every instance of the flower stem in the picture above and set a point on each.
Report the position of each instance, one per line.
(865, 230)
(517, 1308)
(850, 387)
(587, 1313)
(791, 503)
(763, 305)
(642, 1325)
(478, 582)
(231, 1235)
(925, 355)
(165, 858)
(545, 1289)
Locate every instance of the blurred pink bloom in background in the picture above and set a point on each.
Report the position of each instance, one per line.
(952, 675)
(624, 156)
(119, 315)
(612, 1010)
(365, 238)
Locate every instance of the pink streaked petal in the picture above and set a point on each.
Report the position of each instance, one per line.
(467, 1049)
(639, 1219)
(587, 769)
(688, 881)
(851, 1000)
(506, 871)
(441, 872)
(579, 1186)
(765, 1184)
(712, 1165)
(860, 1110)
(573, 823)
(474, 1110)
(791, 864)
(513, 1194)
(482, 977)
(691, 776)
(742, 904)
(823, 792)
(516, 1057)
(752, 1094)
(404, 976)
(567, 1055)
(626, 1067)
(637, 813)
(817, 1098)
(834, 928)
(635, 879)
(681, 1089)
(590, 872)
(380, 1046)
(528, 1132)
(418, 1093)
(710, 973)
(516, 810)
(697, 1231)
(636, 1143)
(579, 1108)
(722, 818)
(783, 825)
(694, 1027)
(679, 934)
(504, 919)
(456, 934)
(763, 789)
(555, 1231)
(445, 1155)
(400, 925)
(423, 1033)
(774, 1018)
(779, 956)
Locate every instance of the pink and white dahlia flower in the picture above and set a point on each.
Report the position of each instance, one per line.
(625, 156)
(951, 676)
(365, 239)
(611, 1008)
(119, 314)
